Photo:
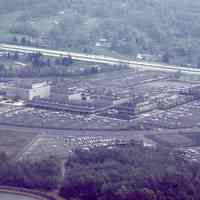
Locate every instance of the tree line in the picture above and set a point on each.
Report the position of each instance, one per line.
(170, 29)
(44, 175)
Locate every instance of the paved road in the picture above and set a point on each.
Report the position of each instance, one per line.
(28, 147)
(99, 59)
(12, 196)
(115, 133)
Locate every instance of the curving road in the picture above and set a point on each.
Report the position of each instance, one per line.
(19, 193)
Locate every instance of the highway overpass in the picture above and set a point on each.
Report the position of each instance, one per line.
(100, 59)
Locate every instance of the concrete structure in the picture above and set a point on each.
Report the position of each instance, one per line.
(148, 57)
(103, 42)
(80, 107)
(79, 97)
(133, 108)
(28, 92)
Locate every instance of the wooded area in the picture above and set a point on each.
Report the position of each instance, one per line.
(124, 173)
(130, 173)
(170, 28)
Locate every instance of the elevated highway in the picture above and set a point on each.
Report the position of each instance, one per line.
(100, 59)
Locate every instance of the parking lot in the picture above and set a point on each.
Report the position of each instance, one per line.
(184, 116)
(60, 120)
(61, 145)
(141, 103)
(146, 89)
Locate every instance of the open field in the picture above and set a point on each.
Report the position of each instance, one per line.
(12, 142)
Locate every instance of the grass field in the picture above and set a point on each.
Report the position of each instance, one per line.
(12, 142)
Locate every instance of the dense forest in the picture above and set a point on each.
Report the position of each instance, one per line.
(42, 175)
(130, 173)
(158, 27)
(120, 173)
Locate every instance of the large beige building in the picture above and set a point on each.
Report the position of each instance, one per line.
(29, 91)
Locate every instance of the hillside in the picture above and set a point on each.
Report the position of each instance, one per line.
(157, 27)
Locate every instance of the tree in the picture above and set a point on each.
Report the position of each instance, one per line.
(198, 62)
(23, 41)
(8, 55)
(16, 56)
(15, 40)
(178, 74)
(2, 67)
(93, 70)
(67, 60)
(166, 57)
(48, 62)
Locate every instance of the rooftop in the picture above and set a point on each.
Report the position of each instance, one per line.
(28, 84)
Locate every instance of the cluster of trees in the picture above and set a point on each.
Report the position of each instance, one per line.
(44, 174)
(37, 65)
(41, 66)
(155, 27)
(31, 8)
(38, 60)
(130, 173)
(121, 173)
(64, 61)
(22, 41)
(25, 29)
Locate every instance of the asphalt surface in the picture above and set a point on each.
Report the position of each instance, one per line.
(99, 59)
(98, 132)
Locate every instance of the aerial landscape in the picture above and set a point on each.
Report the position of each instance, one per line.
(99, 100)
